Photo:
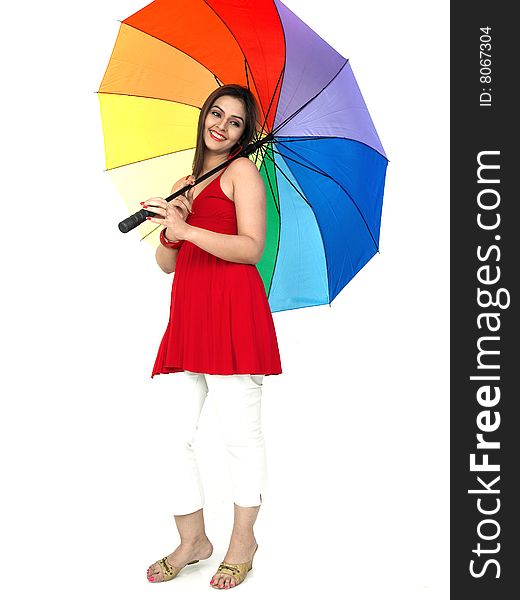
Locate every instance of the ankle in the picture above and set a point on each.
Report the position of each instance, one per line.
(243, 537)
(195, 541)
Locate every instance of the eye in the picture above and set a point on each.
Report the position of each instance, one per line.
(236, 123)
(214, 112)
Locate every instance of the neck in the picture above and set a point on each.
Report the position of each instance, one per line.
(213, 160)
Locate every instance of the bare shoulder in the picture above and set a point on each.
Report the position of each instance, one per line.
(242, 163)
(243, 173)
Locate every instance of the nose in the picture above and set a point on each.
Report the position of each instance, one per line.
(220, 122)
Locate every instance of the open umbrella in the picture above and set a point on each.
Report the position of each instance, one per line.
(318, 151)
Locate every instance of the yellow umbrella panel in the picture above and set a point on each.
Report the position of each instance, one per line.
(150, 100)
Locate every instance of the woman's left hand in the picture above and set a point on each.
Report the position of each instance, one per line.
(167, 215)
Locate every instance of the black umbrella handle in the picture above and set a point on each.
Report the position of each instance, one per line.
(139, 217)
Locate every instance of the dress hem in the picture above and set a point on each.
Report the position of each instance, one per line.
(208, 372)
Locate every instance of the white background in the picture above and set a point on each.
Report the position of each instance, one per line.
(357, 425)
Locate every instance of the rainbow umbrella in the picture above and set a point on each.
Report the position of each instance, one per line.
(322, 161)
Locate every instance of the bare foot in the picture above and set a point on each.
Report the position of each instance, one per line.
(181, 556)
(239, 551)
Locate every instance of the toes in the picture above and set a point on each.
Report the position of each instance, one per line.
(154, 573)
(223, 581)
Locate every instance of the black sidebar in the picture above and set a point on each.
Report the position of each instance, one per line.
(485, 361)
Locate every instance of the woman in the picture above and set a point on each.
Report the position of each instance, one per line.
(220, 334)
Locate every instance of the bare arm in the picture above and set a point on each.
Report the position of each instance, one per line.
(249, 196)
(167, 257)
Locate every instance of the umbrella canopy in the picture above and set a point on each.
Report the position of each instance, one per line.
(324, 166)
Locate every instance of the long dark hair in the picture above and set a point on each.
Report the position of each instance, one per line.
(251, 121)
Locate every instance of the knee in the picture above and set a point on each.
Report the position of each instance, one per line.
(243, 437)
(183, 443)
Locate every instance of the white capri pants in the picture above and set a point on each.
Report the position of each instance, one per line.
(237, 402)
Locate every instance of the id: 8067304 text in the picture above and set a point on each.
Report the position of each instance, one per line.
(485, 66)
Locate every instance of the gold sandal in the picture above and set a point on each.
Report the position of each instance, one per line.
(238, 572)
(169, 571)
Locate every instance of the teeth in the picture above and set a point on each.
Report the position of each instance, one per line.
(217, 135)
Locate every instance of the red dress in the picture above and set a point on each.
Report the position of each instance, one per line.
(220, 318)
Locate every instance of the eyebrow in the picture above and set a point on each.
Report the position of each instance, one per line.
(236, 116)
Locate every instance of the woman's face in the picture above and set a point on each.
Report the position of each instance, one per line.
(224, 124)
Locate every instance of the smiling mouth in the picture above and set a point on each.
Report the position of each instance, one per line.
(217, 137)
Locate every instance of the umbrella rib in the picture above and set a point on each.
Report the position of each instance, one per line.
(316, 170)
(277, 206)
(256, 154)
(320, 172)
(260, 154)
(306, 138)
(263, 149)
(316, 220)
(283, 123)
(135, 162)
(272, 99)
(247, 74)
(282, 72)
(151, 98)
(274, 194)
(279, 76)
(311, 138)
(239, 46)
(151, 231)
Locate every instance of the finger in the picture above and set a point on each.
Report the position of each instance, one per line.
(155, 220)
(155, 209)
(189, 180)
(155, 202)
(184, 203)
(155, 199)
(181, 212)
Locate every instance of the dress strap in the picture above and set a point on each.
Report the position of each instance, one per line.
(237, 151)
